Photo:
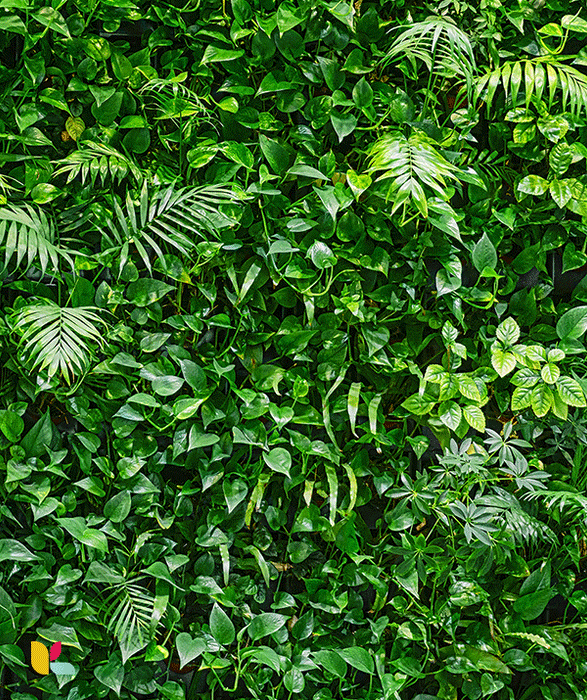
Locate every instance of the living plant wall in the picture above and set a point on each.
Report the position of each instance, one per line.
(293, 365)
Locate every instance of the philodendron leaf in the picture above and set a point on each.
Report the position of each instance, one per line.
(118, 507)
(111, 674)
(572, 324)
(234, 493)
(278, 459)
(12, 550)
(189, 649)
(221, 626)
(484, 254)
(358, 658)
(343, 124)
(321, 255)
(265, 624)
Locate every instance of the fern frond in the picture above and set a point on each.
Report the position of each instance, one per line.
(169, 218)
(58, 339)
(28, 232)
(99, 162)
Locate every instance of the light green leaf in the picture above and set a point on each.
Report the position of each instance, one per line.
(571, 392)
(474, 417)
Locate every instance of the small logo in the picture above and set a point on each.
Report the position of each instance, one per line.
(42, 660)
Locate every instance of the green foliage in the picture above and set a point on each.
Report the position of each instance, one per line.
(293, 368)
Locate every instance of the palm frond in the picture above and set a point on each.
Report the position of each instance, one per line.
(411, 163)
(58, 339)
(169, 218)
(173, 99)
(28, 233)
(543, 75)
(99, 162)
(444, 49)
(129, 614)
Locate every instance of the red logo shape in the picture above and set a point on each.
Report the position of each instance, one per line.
(55, 651)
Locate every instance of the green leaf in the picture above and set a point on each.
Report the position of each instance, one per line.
(550, 373)
(530, 606)
(265, 624)
(189, 649)
(13, 24)
(54, 98)
(362, 94)
(474, 417)
(554, 127)
(503, 361)
(450, 414)
(306, 171)
(533, 184)
(342, 11)
(49, 17)
(358, 658)
(377, 337)
(343, 124)
(45, 192)
(521, 398)
(11, 424)
(278, 459)
(321, 255)
(358, 183)
(571, 392)
(572, 324)
(110, 674)
(277, 156)
(508, 332)
(213, 54)
(484, 254)
(12, 550)
(60, 633)
(118, 507)
(469, 388)
(234, 493)
(94, 538)
(221, 626)
(332, 661)
(146, 291)
(542, 399)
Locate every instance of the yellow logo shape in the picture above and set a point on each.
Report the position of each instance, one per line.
(40, 658)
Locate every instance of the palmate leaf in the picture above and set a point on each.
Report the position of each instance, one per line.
(169, 218)
(99, 162)
(444, 49)
(537, 77)
(411, 163)
(58, 339)
(26, 232)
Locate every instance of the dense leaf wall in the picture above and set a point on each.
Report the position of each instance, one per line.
(293, 363)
